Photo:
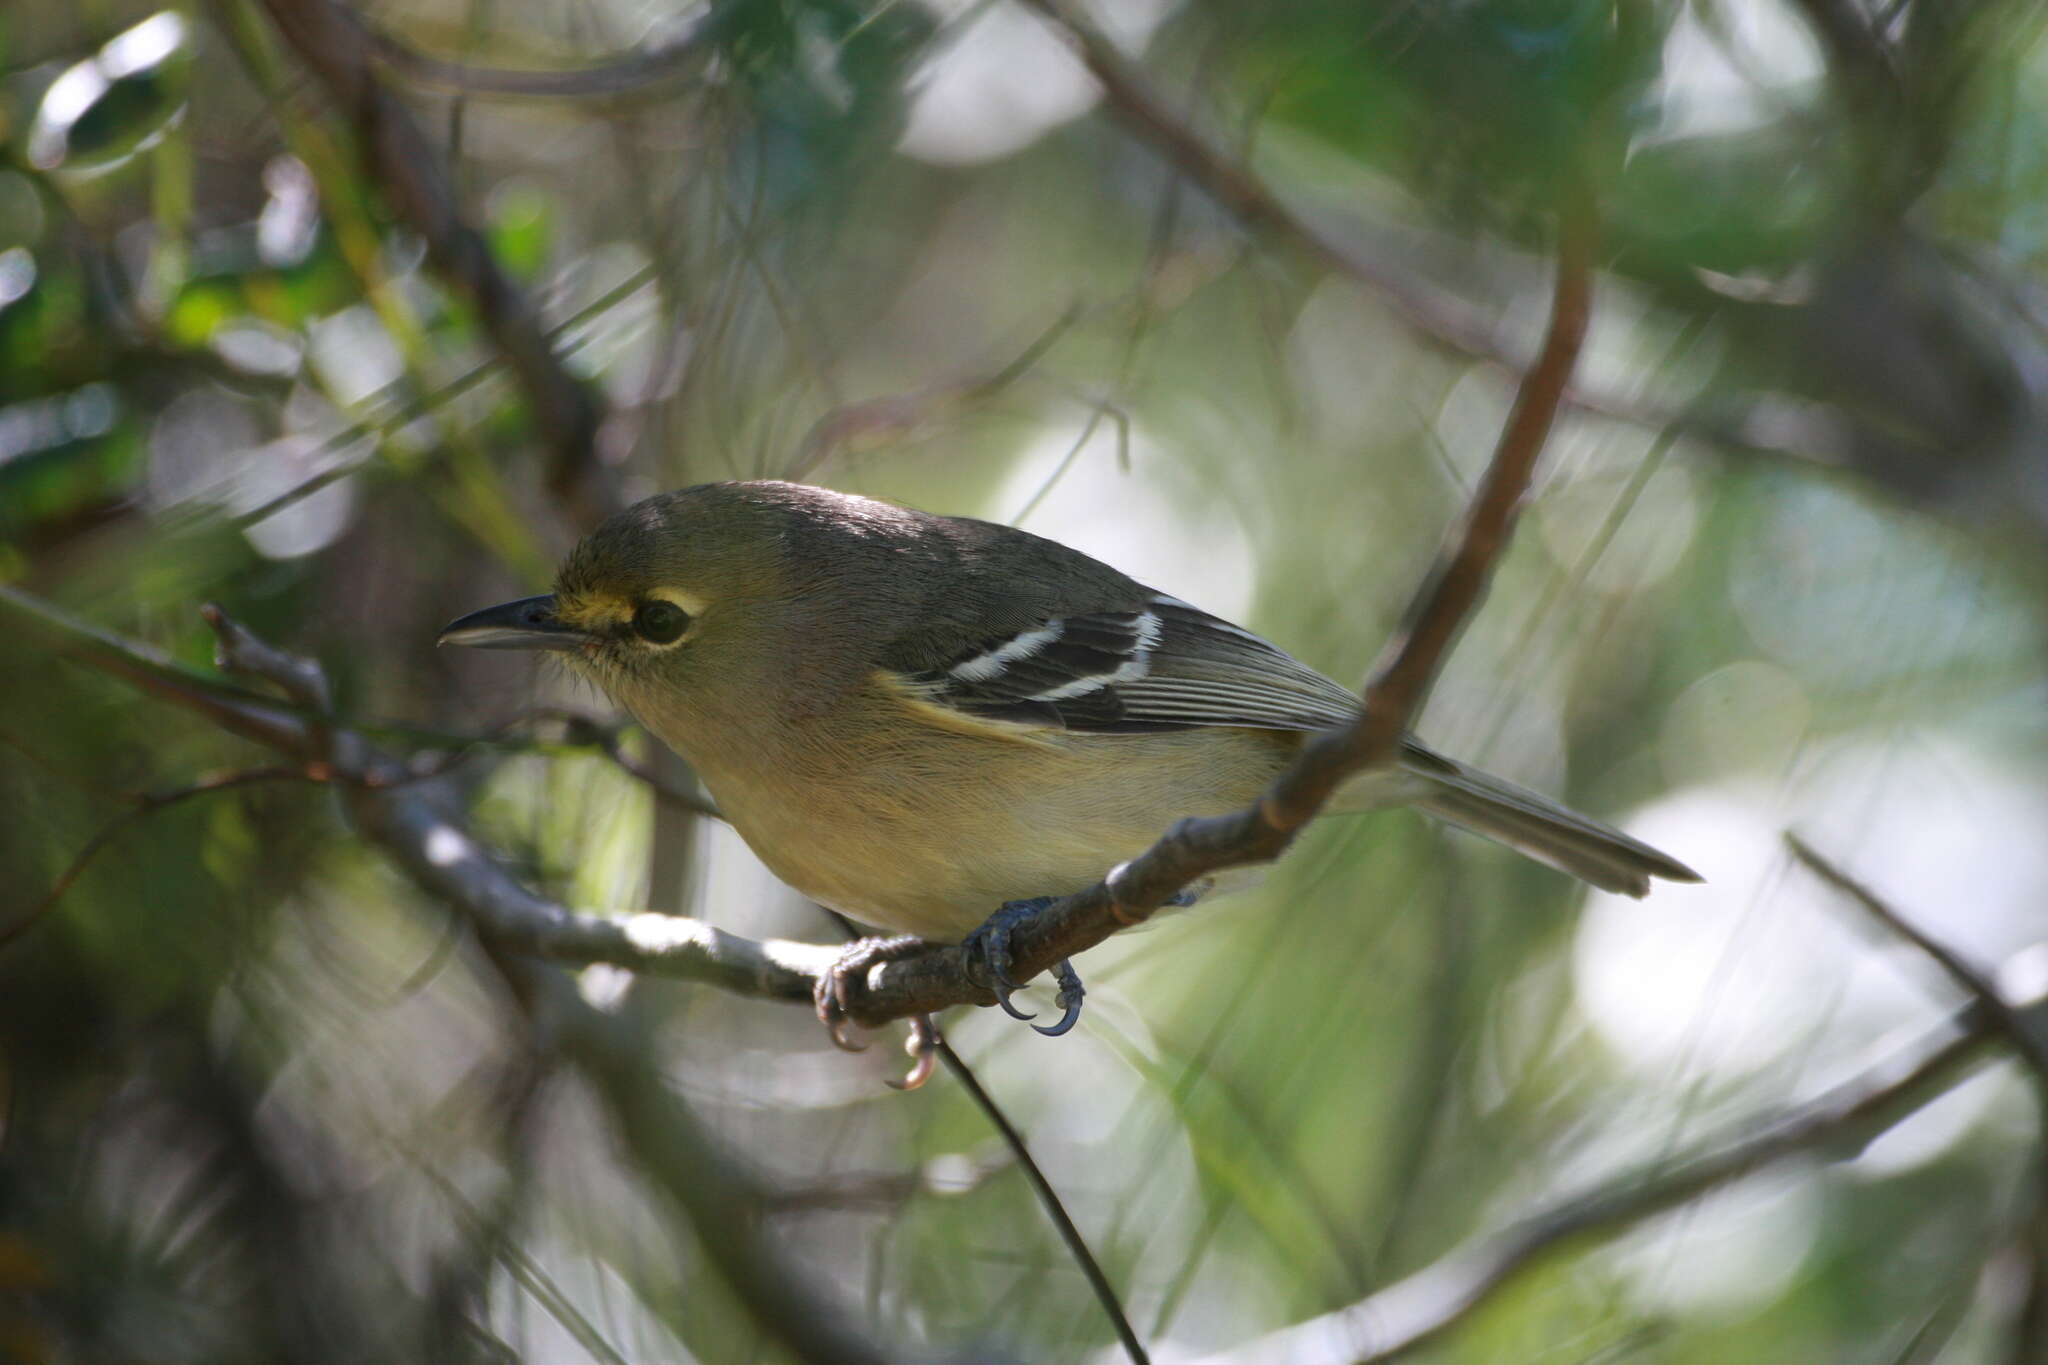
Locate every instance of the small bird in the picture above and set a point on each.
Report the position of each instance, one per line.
(937, 725)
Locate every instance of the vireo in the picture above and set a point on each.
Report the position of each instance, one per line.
(917, 720)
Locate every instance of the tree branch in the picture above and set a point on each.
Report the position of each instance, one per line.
(401, 816)
(1194, 848)
(406, 167)
(1134, 101)
(1415, 1310)
(432, 846)
(667, 1143)
(2025, 1028)
(675, 57)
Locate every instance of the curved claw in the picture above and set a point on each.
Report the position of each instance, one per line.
(829, 996)
(1067, 1021)
(1070, 997)
(831, 1007)
(989, 950)
(1003, 999)
(923, 1044)
(835, 1029)
(988, 959)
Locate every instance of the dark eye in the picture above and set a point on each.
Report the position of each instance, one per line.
(660, 623)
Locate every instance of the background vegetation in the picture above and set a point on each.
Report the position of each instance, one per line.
(282, 289)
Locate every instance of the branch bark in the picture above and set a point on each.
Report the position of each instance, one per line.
(432, 846)
(1193, 848)
(2025, 1027)
(1416, 1310)
(404, 817)
(440, 855)
(406, 167)
(679, 1157)
(650, 69)
(1135, 102)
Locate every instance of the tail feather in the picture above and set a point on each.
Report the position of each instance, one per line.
(1540, 828)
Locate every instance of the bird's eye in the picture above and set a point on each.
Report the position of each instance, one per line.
(660, 623)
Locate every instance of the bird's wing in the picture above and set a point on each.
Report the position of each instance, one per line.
(1161, 665)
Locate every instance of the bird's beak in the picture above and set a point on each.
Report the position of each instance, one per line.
(529, 623)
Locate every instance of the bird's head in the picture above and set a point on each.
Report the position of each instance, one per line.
(689, 606)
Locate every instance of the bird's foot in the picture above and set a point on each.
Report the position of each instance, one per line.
(988, 958)
(854, 961)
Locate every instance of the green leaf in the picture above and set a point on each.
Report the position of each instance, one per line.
(65, 455)
(522, 227)
(201, 307)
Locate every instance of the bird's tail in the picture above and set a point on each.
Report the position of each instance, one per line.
(1538, 827)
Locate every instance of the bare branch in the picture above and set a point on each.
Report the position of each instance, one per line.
(1196, 847)
(2023, 1028)
(1134, 101)
(1070, 1236)
(431, 845)
(402, 816)
(145, 804)
(892, 416)
(241, 650)
(1840, 1123)
(716, 1192)
(406, 167)
(652, 69)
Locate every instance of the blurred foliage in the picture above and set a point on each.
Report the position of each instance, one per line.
(263, 1100)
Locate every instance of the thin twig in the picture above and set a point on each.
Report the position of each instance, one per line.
(406, 168)
(2023, 1028)
(1077, 1246)
(404, 408)
(1260, 833)
(1048, 1198)
(146, 804)
(896, 414)
(1416, 1310)
(1975, 983)
(1134, 100)
(430, 844)
(647, 70)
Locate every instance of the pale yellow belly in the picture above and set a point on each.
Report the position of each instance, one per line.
(899, 842)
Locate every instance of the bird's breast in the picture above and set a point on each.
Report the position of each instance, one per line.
(926, 829)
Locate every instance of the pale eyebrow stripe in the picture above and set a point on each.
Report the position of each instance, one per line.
(677, 597)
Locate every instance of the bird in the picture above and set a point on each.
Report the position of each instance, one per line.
(937, 725)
